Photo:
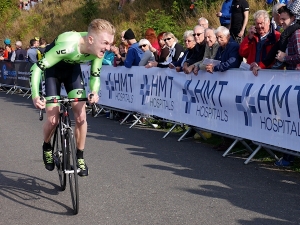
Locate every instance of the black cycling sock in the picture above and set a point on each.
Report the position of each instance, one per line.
(46, 146)
(79, 154)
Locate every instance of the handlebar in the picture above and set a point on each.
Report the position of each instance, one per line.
(64, 100)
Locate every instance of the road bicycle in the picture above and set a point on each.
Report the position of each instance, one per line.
(64, 149)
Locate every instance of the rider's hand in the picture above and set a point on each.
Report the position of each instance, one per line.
(93, 99)
(38, 103)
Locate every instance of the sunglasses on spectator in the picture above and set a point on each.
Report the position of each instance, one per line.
(188, 40)
(198, 34)
(167, 39)
(142, 46)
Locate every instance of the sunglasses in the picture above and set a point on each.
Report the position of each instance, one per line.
(142, 46)
(188, 41)
(167, 39)
(198, 34)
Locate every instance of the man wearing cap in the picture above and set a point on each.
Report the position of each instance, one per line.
(19, 53)
(134, 53)
(6, 53)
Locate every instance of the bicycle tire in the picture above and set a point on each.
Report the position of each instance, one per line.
(72, 168)
(59, 156)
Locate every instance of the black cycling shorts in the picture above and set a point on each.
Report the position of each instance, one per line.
(68, 74)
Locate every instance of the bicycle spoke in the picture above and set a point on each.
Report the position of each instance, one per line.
(58, 156)
(72, 171)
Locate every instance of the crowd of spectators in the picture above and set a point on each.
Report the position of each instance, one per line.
(31, 53)
(262, 46)
(28, 4)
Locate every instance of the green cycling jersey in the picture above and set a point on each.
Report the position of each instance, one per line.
(66, 48)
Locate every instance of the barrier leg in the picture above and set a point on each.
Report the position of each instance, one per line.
(252, 155)
(230, 147)
(123, 121)
(246, 145)
(185, 133)
(170, 130)
(136, 121)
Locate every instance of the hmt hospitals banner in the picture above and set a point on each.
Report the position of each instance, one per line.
(265, 108)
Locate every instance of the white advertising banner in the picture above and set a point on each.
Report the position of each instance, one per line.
(265, 108)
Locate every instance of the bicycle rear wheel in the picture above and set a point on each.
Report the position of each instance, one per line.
(72, 170)
(59, 156)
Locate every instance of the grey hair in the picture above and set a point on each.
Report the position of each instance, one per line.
(202, 18)
(188, 33)
(222, 30)
(276, 7)
(198, 26)
(262, 13)
(208, 29)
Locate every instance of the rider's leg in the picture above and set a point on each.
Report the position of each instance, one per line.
(51, 122)
(80, 124)
(49, 126)
(80, 134)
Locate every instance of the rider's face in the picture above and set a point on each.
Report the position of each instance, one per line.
(100, 43)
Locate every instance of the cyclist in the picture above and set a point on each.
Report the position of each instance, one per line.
(61, 64)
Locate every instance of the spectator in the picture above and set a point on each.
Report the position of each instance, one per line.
(33, 3)
(121, 4)
(239, 19)
(148, 55)
(228, 52)
(7, 52)
(1, 53)
(203, 22)
(120, 54)
(198, 51)
(6, 43)
(134, 53)
(109, 57)
(261, 38)
(294, 7)
(164, 50)
(225, 14)
(190, 43)
(275, 16)
(122, 36)
(42, 45)
(19, 53)
(176, 51)
(150, 35)
(211, 49)
(32, 51)
(26, 5)
(292, 55)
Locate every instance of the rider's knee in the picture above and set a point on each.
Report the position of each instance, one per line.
(80, 118)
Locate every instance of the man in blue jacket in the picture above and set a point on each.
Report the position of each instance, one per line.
(134, 54)
(225, 14)
(228, 52)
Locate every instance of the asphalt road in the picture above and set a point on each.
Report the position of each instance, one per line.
(136, 177)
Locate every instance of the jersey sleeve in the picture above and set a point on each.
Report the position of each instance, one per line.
(95, 75)
(54, 55)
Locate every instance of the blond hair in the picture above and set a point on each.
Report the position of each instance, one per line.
(98, 25)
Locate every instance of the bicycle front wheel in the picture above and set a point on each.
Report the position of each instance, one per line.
(59, 156)
(72, 170)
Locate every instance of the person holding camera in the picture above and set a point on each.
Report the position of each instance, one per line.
(260, 40)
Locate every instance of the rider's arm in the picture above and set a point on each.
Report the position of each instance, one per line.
(95, 75)
(51, 57)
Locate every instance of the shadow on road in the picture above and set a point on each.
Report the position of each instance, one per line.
(26, 190)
